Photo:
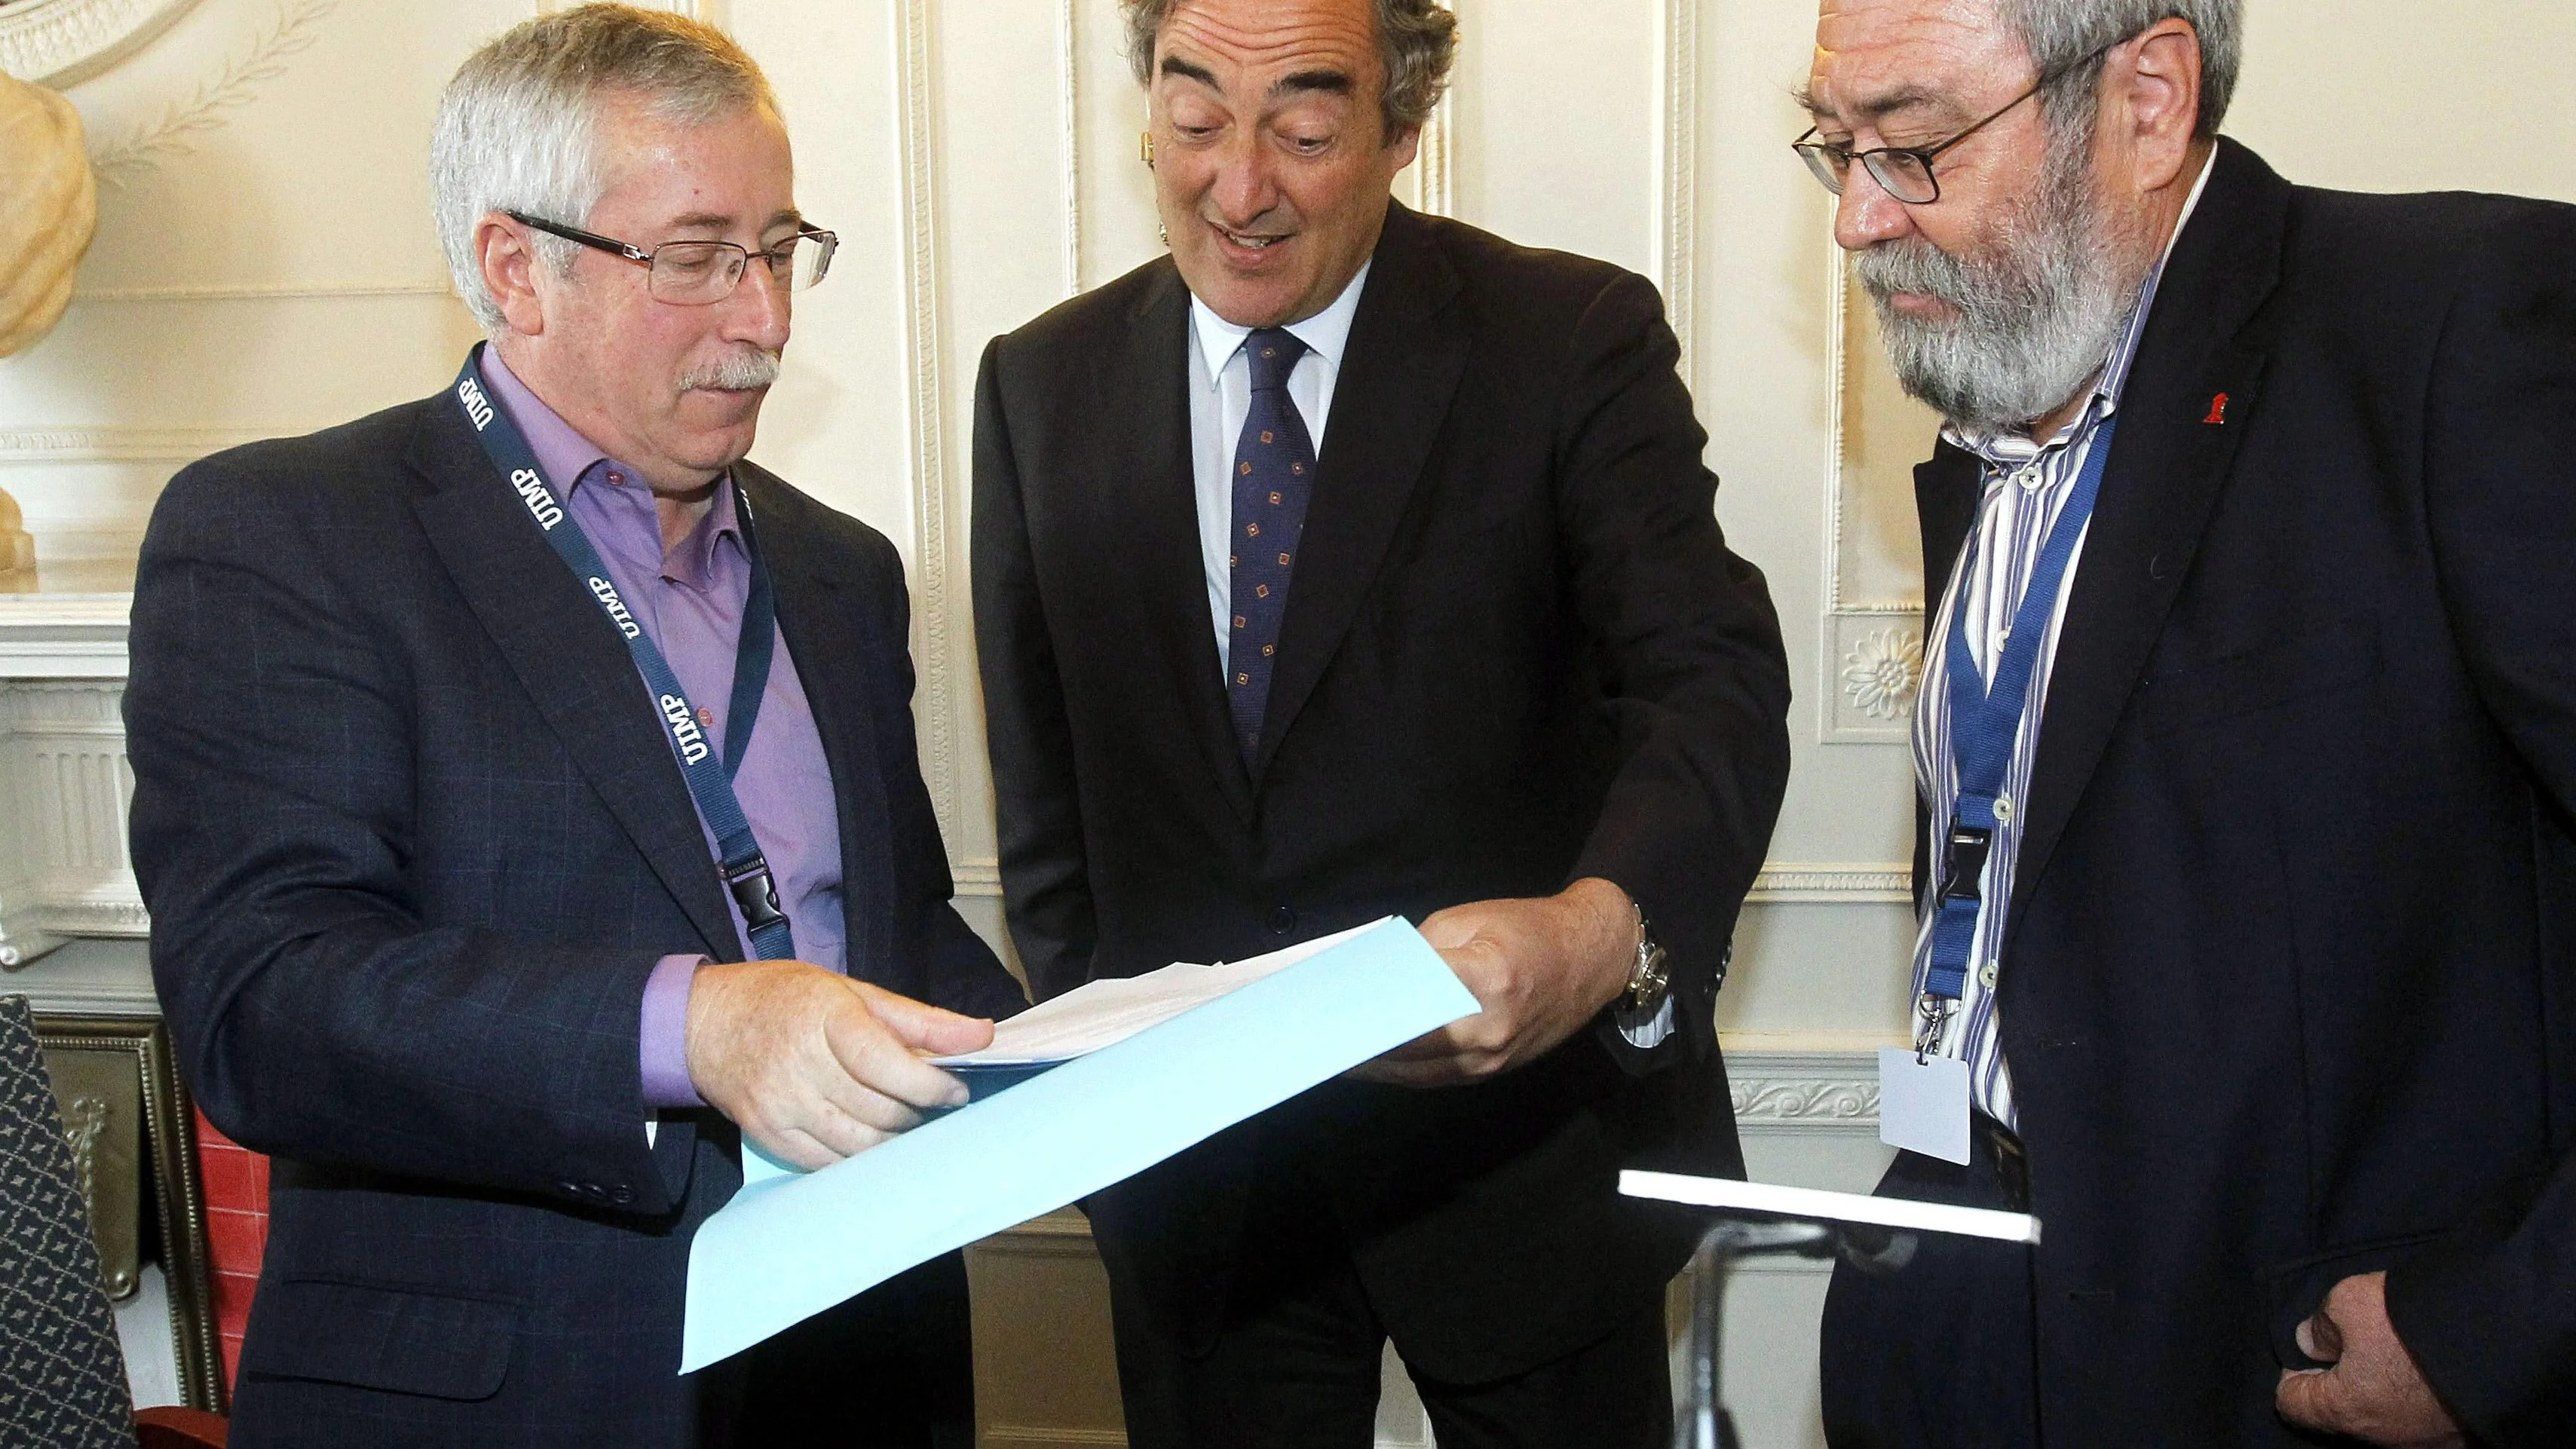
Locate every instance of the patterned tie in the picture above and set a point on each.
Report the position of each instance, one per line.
(1274, 467)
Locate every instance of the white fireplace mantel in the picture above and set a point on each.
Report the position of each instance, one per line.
(64, 784)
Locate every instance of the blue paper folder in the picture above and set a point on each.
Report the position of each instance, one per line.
(787, 1248)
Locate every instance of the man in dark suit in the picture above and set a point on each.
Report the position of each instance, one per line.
(2263, 910)
(1352, 562)
(434, 873)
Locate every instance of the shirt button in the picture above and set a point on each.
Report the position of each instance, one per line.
(1282, 920)
(617, 478)
(2003, 810)
(2029, 479)
(1986, 976)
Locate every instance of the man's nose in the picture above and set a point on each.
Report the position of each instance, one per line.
(1865, 214)
(1246, 185)
(759, 308)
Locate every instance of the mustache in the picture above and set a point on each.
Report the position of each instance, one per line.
(733, 372)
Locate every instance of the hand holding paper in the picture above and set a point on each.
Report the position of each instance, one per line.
(815, 1067)
(1541, 970)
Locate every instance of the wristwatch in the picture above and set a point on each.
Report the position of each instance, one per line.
(1650, 976)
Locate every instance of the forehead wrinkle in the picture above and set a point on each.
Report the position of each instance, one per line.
(1882, 60)
(1318, 43)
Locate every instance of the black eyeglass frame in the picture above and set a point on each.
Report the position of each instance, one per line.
(1821, 156)
(829, 241)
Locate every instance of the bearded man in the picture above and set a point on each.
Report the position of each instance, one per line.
(2246, 755)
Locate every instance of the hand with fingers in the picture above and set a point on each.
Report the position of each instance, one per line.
(2372, 1389)
(1541, 970)
(815, 1067)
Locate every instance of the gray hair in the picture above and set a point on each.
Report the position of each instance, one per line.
(518, 127)
(1416, 39)
(2060, 33)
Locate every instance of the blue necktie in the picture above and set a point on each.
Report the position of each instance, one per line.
(1274, 467)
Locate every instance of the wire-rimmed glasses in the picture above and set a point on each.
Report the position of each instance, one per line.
(1905, 172)
(696, 273)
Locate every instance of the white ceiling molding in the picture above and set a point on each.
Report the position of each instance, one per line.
(60, 42)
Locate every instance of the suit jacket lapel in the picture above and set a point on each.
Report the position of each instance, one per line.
(1152, 523)
(835, 653)
(1407, 350)
(2175, 445)
(570, 661)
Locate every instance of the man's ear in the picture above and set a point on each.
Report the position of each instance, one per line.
(510, 264)
(1402, 147)
(2155, 94)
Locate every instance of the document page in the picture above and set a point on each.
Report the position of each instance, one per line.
(1104, 1013)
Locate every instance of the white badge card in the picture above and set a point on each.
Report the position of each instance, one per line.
(1923, 1104)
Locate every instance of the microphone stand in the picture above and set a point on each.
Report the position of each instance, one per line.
(1702, 1421)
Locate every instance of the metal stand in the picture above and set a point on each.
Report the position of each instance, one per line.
(1702, 1421)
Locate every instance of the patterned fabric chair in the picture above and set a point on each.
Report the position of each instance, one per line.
(62, 1377)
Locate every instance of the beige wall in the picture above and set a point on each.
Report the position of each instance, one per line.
(264, 265)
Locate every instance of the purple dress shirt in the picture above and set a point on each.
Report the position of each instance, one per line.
(690, 600)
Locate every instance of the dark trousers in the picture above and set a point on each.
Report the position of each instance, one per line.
(1939, 1353)
(1297, 1367)
(889, 1369)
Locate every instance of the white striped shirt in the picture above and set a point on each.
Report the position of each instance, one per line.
(2027, 484)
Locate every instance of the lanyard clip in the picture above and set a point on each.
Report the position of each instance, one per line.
(1933, 1024)
(1963, 863)
(756, 893)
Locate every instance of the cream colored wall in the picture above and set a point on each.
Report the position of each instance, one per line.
(265, 266)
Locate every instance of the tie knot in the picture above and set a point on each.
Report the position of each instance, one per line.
(1274, 352)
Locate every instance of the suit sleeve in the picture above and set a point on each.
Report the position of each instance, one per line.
(1045, 887)
(270, 726)
(1689, 649)
(2488, 1311)
(959, 971)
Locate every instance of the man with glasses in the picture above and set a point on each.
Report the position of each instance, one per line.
(2246, 758)
(469, 737)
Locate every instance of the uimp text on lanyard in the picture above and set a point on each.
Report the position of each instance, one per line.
(744, 869)
(1985, 721)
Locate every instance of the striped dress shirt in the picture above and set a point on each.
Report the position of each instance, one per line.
(2027, 484)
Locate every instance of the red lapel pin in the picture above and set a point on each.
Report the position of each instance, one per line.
(2217, 411)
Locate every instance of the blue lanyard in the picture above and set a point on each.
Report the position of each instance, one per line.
(744, 869)
(1985, 720)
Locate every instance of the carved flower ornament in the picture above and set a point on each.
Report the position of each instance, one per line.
(1882, 672)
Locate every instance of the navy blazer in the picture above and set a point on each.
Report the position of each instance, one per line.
(2289, 986)
(413, 841)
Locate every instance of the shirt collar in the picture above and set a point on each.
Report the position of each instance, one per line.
(1325, 334)
(2010, 448)
(571, 461)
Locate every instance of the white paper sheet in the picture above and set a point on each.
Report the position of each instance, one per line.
(1104, 1013)
(1835, 1207)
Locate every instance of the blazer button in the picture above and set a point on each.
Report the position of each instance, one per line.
(1282, 920)
(621, 1194)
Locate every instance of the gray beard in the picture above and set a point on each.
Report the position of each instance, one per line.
(2036, 317)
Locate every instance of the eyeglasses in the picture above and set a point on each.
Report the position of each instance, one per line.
(1906, 171)
(696, 273)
